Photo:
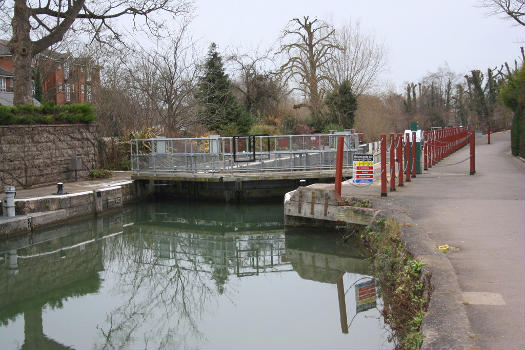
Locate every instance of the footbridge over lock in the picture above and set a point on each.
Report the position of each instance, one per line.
(239, 168)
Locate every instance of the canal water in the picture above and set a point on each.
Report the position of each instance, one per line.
(181, 275)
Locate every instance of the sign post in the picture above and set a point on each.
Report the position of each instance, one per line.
(363, 168)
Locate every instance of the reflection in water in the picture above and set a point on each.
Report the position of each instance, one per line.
(47, 274)
(162, 275)
(315, 256)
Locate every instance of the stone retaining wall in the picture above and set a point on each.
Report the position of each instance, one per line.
(40, 154)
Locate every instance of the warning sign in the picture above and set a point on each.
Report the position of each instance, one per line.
(363, 165)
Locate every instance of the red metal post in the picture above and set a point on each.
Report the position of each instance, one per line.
(400, 145)
(434, 147)
(488, 134)
(383, 165)
(430, 148)
(439, 145)
(339, 165)
(392, 162)
(472, 153)
(425, 151)
(447, 144)
(407, 158)
(413, 154)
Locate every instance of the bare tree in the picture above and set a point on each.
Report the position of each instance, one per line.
(360, 60)
(37, 25)
(515, 9)
(166, 78)
(309, 47)
(261, 90)
(372, 117)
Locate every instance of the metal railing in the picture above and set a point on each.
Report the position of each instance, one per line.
(243, 153)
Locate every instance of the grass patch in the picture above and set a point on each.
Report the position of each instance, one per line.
(405, 293)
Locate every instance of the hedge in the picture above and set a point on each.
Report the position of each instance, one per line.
(48, 113)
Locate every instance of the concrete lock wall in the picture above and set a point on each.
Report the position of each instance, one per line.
(41, 154)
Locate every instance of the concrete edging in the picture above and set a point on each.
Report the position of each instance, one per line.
(36, 212)
(445, 324)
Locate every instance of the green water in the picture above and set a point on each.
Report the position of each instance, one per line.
(181, 275)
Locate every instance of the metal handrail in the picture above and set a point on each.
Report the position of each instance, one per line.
(215, 153)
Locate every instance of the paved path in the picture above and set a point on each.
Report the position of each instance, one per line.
(484, 217)
(73, 187)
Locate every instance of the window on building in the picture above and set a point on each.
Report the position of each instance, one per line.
(68, 93)
(3, 84)
(88, 94)
(88, 74)
(66, 70)
(59, 87)
(82, 89)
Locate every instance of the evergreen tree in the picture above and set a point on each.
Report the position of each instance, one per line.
(478, 101)
(220, 111)
(408, 102)
(460, 106)
(38, 86)
(492, 93)
(342, 104)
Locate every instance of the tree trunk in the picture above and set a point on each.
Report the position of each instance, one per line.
(22, 50)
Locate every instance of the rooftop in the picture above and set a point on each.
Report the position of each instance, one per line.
(5, 73)
(4, 51)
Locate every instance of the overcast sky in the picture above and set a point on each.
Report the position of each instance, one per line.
(419, 35)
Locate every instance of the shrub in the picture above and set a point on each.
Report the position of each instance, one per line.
(48, 113)
(512, 94)
(404, 291)
(99, 174)
(333, 126)
(262, 129)
(301, 128)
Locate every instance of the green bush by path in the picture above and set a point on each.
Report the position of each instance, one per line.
(48, 113)
(513, 95)
(517, 135)
(404, 290)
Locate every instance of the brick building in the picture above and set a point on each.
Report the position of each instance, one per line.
(6, 68)
(65, 79)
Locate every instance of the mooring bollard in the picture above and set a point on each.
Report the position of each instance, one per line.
(383, 166)
(392, 162)
(472, 153)
(339, 165)
(400, 145)
(9, 202)
(60, 188)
